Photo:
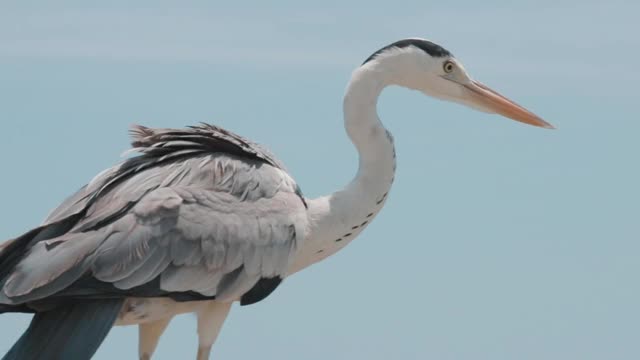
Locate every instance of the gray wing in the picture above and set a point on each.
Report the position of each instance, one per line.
(161, 143)
(212, 225)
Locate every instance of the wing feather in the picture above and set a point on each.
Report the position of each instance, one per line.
(211, 224)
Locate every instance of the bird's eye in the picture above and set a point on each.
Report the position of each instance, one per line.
(448, 66)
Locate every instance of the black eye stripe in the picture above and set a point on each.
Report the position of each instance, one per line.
(429, 47)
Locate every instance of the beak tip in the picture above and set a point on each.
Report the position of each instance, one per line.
(498, 104)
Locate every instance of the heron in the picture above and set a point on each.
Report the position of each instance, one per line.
(200, 217)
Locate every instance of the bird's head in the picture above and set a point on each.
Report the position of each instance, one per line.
(425, 66)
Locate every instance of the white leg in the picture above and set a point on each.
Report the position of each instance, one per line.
(210, 320)
(148, 336)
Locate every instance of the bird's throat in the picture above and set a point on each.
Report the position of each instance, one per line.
(336, 219)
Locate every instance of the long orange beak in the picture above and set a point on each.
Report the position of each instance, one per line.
(491, 100)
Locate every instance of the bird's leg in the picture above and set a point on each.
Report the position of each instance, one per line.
(148, 336)
(210, 320)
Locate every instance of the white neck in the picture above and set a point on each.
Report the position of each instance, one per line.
(337, 218)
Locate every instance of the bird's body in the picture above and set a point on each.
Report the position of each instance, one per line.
(203, 218)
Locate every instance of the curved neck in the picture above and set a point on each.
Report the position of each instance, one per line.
(373, 142)
(337, 218)
(360, 112)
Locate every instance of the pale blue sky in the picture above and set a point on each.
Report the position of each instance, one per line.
(499, 241)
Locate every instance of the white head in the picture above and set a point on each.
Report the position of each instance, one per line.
(425, 66)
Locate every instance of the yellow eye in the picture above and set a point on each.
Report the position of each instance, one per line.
(448, 66)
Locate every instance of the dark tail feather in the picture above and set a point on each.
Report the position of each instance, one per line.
(71, 332)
